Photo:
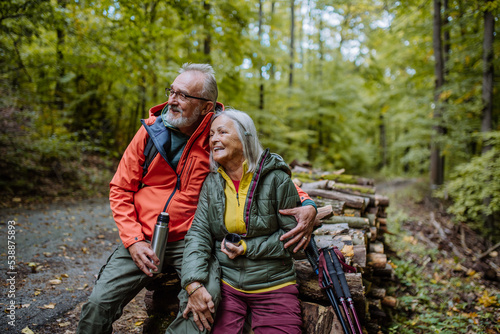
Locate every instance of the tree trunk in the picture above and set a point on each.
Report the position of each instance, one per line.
(487, 95)
(321, 50)
(273, 69)
(437, 160)
(292, 29)
(208, 36)
(60, 68)
(261, 74)
(383, 148)
(446, 37)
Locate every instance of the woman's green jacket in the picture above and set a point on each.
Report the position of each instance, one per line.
(266, 262)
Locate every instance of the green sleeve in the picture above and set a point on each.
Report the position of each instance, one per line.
(198, 244)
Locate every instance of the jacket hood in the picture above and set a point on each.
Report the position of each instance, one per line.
(271, 161)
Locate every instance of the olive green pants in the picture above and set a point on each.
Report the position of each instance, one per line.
(120, 280)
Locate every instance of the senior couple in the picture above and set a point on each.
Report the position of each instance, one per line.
(213, 177)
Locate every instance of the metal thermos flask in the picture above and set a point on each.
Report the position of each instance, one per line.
(160, 236)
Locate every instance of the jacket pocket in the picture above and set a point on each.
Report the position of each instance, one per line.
(279, 269)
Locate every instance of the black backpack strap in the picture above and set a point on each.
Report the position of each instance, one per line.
(150, 152)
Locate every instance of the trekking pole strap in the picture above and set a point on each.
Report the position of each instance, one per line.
(324, 276)
(341, 259)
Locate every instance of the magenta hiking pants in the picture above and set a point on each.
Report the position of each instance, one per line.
(276, 311)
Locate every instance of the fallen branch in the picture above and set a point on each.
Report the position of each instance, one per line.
(462, 240)
(495, 267)
(438, 227)
(487, 252)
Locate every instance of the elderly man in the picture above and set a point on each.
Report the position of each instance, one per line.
(171, 181)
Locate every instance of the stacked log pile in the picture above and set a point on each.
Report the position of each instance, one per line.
(352, 217)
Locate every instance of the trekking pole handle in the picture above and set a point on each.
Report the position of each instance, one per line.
(341, 275)
(333, 273)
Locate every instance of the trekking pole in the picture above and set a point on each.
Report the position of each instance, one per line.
(312, 255)
(345, 287)
(338, 289)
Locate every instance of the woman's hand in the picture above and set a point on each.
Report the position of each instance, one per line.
(232, 250)
(201, 304)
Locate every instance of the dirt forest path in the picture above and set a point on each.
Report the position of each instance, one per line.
(58, 250)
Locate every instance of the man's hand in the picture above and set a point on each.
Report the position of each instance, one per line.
(202, 306)
(142, 254)
(300, 235)
(232, 250)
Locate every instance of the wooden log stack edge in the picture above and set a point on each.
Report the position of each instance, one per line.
(352, 217)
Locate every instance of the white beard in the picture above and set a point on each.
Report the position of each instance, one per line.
(182, 122)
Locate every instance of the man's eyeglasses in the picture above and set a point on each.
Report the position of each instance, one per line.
(170, 92)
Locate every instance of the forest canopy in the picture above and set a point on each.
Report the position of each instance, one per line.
(399, 88)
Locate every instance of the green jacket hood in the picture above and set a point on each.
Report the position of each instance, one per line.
(272, 161)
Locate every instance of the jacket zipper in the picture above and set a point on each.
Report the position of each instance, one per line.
(253, 185)
(178, 183)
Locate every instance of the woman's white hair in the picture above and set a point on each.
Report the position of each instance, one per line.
(252, 149)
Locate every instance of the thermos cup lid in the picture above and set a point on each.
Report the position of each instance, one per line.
(232, 238)
(163, 217)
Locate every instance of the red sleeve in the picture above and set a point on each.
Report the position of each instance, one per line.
(303, 195)
(124, 185)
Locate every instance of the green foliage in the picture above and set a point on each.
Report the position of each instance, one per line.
(361, 98)
(475, 189)
(56, 165)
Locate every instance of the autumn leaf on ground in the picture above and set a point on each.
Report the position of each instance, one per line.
(139, 323)
(49, 306)
(471, 315)
(26, 330)
(487, 300)
(55, 281)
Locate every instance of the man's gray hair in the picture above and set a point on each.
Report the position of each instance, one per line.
(210, 90)
(252, 149)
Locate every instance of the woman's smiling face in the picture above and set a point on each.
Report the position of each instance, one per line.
(225, 143)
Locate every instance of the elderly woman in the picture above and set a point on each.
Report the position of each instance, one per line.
(242, 195)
